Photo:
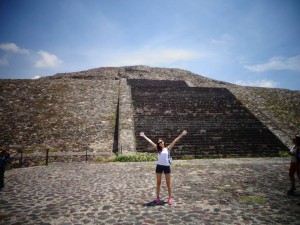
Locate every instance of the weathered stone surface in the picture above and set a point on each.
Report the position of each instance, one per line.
(72, 112)
(58, 114)
(278, 109)
(220, 191)
(164, 108)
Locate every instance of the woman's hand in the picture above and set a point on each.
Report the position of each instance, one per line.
(184, 132)
(142, 134)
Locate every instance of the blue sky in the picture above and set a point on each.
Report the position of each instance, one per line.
(247, 42)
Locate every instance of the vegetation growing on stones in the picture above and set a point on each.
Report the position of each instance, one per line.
(284, 105)
(253, 199)
(69, 112)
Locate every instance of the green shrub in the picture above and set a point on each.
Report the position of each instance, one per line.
(283, 154)
(138, 157)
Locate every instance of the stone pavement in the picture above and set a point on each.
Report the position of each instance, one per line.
(218, 191)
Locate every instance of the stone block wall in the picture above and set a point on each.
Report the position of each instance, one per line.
(73, 112)
(62, 115)
(217, 123)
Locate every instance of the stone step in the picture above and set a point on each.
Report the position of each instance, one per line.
(216, 121)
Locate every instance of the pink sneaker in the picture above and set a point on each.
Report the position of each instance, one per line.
(157, 201)
(170, 201)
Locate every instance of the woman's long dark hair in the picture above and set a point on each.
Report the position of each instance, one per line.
(2, 153)
(158, 148)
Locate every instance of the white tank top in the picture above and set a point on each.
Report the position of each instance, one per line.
(162, 158)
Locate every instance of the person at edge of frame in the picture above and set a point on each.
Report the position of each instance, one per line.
(4, 159)
(295, 163)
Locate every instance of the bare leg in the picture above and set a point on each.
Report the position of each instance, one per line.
(158, 183)
(298, 170)
(168, 181)
(292, 171)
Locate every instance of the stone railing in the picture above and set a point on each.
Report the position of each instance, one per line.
(126, 137)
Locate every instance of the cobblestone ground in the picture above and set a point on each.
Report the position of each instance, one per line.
(219, 191)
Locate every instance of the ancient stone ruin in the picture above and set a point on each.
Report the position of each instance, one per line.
(100, 112)
(217, 123)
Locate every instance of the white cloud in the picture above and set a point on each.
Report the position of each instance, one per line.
(277, 63)
(13, 48)
(10, 50)
(3, 61)
(149, 56)
(36, 77)
(47, 60)
(258, 83)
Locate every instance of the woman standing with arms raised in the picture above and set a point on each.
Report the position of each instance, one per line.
(163, 164)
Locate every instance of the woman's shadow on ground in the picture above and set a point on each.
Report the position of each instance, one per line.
(153, 203)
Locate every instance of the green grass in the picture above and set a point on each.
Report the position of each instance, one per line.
(188, 157)
(184, 165)
(104, 159)
(112, 117)
(224, 187)
(210, 156)
(253, 199)
(41, 163)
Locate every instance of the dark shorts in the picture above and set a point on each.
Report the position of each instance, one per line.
(161, 169)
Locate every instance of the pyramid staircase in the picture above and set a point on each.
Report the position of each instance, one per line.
(217, 123)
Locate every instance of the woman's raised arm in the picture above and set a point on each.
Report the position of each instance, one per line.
(148, 139)
(177, 139)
